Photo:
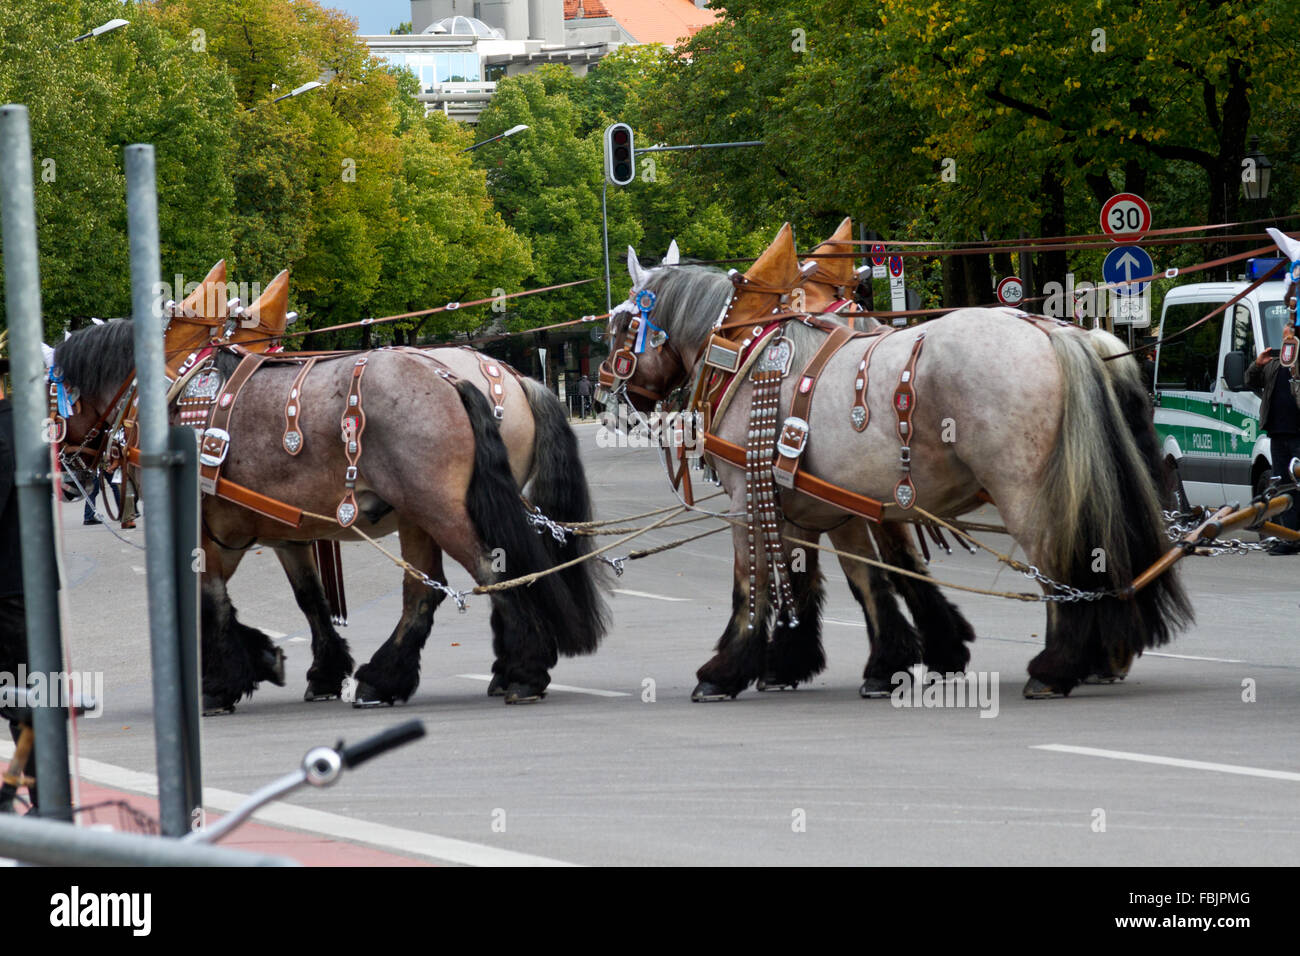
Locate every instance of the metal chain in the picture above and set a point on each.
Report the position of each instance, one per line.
(1183, 523)
(543, 524)
(1069, 594)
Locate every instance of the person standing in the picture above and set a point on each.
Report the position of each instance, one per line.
(584, 395)
(1279, 416)
(13, 612)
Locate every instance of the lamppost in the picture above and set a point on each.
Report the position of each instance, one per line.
(1258, 173)
(510, 132)
(115, 24)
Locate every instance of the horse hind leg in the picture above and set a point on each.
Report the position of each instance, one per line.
(895, 643)
(393, 673)
(331, 659)
(945, 632)
(742, 648)
(795, 654)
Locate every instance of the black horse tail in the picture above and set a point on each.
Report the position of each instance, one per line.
(1101, 521)
(557, 486)
(534, 619)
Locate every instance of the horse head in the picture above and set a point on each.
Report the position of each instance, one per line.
(644, 364)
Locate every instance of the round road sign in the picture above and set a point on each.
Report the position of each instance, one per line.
(1125, 217)
(895, 266)
(877, 260)
(1011, 291)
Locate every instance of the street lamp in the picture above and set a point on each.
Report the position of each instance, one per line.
(1256, 185)
(305, 88)
(510, 132)
(115, 24)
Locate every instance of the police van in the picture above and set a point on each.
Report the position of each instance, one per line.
(1207, 421)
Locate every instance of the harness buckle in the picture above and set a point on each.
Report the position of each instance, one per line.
(216, 444)
(350, 476)
(794, 437)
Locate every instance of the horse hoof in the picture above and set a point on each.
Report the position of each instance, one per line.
(876, 688)
(214, 706)
(518, 693)
(775, 683)
(318, 692)
(706, 692)
(1104, 678)
(496, 686)
(368, 696)
(1036, 689)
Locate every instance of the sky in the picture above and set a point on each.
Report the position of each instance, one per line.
(375, 16)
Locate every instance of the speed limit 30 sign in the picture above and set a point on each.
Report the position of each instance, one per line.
(1125, 217)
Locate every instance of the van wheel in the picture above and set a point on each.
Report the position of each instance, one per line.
(1176, 494)
(1261, 482)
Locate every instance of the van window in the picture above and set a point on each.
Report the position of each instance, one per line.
(1243, 336)
(1274, 316)
(1190, 362)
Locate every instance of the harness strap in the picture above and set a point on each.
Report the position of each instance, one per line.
(491, 371)
(216, 437)
(245, 497)
(808, 484)
(352, 424)
(860, 414)
(904, 405)
(292, 438)
(794, 431)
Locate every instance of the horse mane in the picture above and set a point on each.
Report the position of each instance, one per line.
(689, 299)
(98, 359)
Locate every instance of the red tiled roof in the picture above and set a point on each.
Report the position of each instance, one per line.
(649, 21)
(590, 8)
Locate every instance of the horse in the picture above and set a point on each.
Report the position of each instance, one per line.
(444, 458)
(1001, 408)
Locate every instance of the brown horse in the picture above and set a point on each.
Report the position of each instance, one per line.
(435, 465)
(1033, 419)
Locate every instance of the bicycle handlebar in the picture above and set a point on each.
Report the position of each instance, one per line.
(381, 742)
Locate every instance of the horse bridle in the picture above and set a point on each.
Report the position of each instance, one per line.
(615, 372)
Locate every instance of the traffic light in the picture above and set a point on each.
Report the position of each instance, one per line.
(620, 157)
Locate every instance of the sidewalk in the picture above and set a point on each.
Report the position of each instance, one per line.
(307, 848)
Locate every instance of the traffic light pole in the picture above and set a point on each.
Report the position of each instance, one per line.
(604, 217)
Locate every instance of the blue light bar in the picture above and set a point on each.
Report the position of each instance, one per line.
(1258, 268)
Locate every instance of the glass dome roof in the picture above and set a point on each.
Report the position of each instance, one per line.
(464, 27)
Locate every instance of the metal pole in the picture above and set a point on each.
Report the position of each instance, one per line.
(33, 479)
(604, 228)
(47, 843)
(155, 489)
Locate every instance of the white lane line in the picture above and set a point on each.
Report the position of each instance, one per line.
(273, 635)
(348, 829)
(572, 690)
(647, 594)
(831, 620)
(1170, 761)
(1191, 657)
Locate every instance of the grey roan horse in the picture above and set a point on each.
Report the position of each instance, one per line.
(435, 466)
(1061, 441)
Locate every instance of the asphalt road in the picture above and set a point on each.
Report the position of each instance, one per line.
(816, 776)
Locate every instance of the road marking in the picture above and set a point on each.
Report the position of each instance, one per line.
(137, 569)
(647, 594)
(1192, 657)
(572, 690)
(831, 620)
(348, 829)
(1170, 761)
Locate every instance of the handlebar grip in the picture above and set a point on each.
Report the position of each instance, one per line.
(381, 742)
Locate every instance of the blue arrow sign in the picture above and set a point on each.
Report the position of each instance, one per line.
(1124, 263)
